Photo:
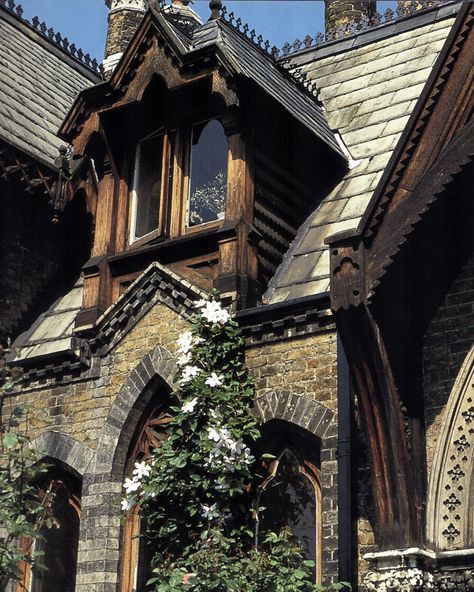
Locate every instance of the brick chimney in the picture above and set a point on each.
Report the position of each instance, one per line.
(408, 7)
(124, 18)
(343, 12)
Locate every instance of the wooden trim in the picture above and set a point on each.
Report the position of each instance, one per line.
(131, 548)
(179, 183)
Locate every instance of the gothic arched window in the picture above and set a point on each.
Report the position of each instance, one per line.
(136, 562)
(208, 173)
(290, 492)
(58, 544)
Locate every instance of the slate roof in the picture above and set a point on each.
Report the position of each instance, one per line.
(369, 91)
(242, 57)
(245, 59)
(38, 84)
(51, 333)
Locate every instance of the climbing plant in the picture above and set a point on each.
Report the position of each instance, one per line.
(196, 493)
(24, 507)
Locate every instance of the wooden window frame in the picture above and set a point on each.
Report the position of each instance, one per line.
(144, 442)
(313, 474)
(166, 164)
(27, 544)
(187, 150)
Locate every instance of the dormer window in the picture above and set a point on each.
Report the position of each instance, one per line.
(148, 187)
(208, 173)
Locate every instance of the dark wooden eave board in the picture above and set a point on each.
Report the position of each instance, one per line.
(238, 56)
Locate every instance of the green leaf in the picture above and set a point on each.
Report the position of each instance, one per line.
(10, 440)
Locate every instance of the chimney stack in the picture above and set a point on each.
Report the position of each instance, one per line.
(342, 12)
(124, 18)
(405, 7)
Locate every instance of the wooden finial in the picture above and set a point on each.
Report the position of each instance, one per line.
(216, 7)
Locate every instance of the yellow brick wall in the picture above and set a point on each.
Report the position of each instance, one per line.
(306, 366)
(79, 409)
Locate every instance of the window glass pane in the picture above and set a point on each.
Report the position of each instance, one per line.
(208, 176)
(59, 546)
(290, 501)
(148, 185)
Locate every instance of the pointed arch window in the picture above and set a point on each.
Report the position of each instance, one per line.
(59, 545)
(136, 564)
(291, 495)
(208, 173)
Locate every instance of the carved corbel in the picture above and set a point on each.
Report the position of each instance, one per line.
(347, 272)
(221, 86)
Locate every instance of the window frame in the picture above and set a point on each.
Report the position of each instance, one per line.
(25, 582)
(187, 135)
(165, 190)
(141, 449)
(308, 468)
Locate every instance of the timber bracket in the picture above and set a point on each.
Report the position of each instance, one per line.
(347, 262)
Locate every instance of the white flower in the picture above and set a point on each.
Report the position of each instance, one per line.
(141, 470)
(213, 380)
(127, 504)
(188, 407)
(185, 342)
(183, 359)
(200, 303)
(189, 372)
(212, 311)
(131, 485)
(213, 435)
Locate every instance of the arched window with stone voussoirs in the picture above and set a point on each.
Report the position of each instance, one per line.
(136, 560)
(58, 545)
(289, 490)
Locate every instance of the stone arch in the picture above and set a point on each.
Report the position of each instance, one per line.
(65, 449)
(451, 480)
(321, 422)
(102, 485)
(157, 368)
(302, 411)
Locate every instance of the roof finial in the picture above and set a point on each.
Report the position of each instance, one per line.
(216, 7)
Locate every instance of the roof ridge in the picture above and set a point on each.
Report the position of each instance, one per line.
(355, 27)
(55, 38)
(294, 75)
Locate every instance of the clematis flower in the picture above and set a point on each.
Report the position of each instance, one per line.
(141, 470)
(214, 380)
(212, 311)
(127, 504)
(185, 342)
(131, 485)
(188, 407)
(189, 372)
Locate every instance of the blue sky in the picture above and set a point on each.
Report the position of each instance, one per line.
(84, 22)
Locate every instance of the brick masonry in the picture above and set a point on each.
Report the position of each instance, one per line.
(122, 26)
(344, 12)
(296, 381)
(88, 422)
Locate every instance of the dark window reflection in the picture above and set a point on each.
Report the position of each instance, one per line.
(289, 496)
(208, 175)
(59, 547)
(148, 185)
